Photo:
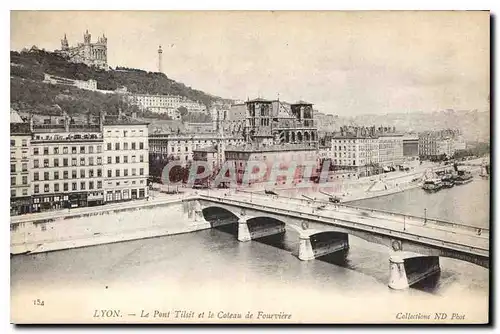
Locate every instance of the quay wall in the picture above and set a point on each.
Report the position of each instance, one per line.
(63, 230)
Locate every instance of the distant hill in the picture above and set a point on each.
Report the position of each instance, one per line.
(28, 92)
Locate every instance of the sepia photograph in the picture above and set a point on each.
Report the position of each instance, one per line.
(250, 167)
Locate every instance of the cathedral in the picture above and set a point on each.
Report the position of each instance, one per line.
(92, 54)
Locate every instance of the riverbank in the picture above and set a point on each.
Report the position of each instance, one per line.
(50, 231)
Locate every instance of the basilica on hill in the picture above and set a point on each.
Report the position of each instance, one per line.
(92, 54)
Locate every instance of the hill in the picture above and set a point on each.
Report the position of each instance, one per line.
(28, 91)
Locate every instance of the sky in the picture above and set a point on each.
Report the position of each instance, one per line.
(346, 63)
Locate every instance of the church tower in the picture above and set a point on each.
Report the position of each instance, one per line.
(160, 52)
(64, 43)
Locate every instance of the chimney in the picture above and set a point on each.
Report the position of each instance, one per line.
(31, 122)
(120, 114)
(134, 114)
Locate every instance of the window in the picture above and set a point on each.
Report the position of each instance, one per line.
(35, 163)
(45, 151)
(133, 158)
(56, 187)
(99, 160)
(36, 176)
(73, 174)
(141, 171)
(65, 149)
(82, 173)
(82, 149)
(125, 158)
(99, 184)
(109, 173)
(99, 172)
(65, 174)
(73, 149)
(46, 176)
(12, 180)
(24, 143)
(37, 189)
(141, 146)
(99, 148)
(117, 172)
(65, 162)
(91, 173)
(24, 167)
(82, 185)
(141, 158)
(13, 193)
(46, 188)
(109, 147)
(117, 146)
(133, 171)
(25, 180)
(65, 186)
(109, 160)
(56, 150)
(125, 146)
(25, 192)
(117, 159)
(36, 151)
(125, 172)
(91, 149)
(56, 162)
(133, 146)
(45, 162)
(73, 161)
(91, 185)
(82, 161)
(73, 186)
(12, 142)
(56, 175)
(91, 161)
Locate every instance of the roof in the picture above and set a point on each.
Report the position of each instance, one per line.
(14, 116)
(259, 100)
(20, 128)
(301, 102)
(123, 121)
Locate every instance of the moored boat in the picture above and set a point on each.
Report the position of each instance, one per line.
(432, 185)
(463, 177)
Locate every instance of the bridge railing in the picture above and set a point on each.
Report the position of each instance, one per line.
(356, 225)
(385, 213)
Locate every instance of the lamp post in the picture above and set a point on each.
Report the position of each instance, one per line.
(425, 216)
(404, 223)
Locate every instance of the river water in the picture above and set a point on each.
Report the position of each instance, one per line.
(212, 269)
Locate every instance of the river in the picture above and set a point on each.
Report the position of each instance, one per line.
(212, 269)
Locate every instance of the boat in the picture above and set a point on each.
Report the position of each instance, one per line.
(432, 185)
(463, 177)
(447, 181)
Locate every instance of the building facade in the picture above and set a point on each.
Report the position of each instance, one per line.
(432, 144)
(82, 84)
(20, 191)
(66, 167)
(165, 104)
(410, 147)
(126, 159)
(91, 54)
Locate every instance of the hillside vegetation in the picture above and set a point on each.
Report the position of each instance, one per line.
(28, 93)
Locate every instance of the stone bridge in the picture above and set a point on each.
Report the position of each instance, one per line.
(323, 228)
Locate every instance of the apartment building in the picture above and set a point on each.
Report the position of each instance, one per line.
(66, 168)
(20, 192)
(126, 160)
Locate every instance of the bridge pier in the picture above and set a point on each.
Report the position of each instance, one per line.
(405, 272)
(243, 231)
(322, 244)
(247, 232)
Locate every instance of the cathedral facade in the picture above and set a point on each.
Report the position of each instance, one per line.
(92, 54)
